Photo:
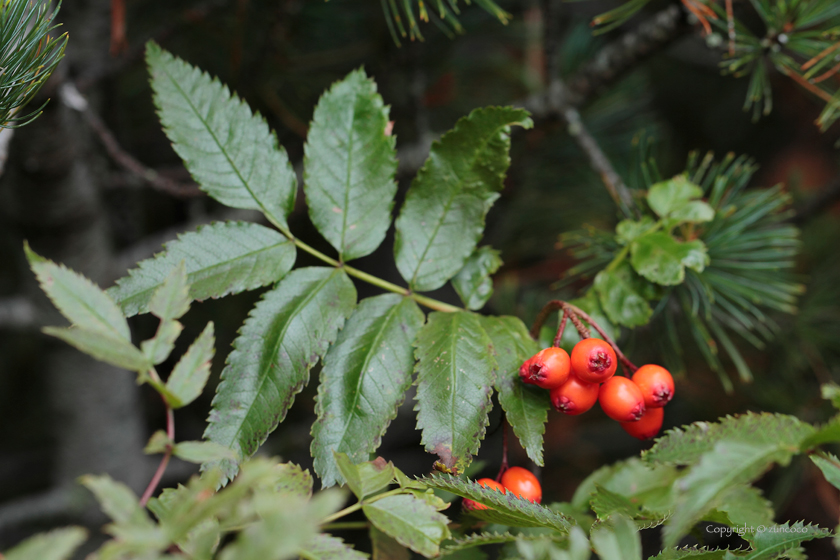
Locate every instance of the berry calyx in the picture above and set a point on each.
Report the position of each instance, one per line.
(656, 384)
(522, 483)
(548, 368)
(471, 505)
(574, 396)
(621, 399)
(593, 360)
(647, 426)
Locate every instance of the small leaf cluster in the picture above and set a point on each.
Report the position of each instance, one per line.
(723, 270)
(28, 56)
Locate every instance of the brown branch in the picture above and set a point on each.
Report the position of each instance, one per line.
(71, 97)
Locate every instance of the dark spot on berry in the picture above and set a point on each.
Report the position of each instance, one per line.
(599, 361)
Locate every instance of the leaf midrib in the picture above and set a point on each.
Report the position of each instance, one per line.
(356, 394)
(211, 267)
(224, 152)
(264, 376)
(447, 206)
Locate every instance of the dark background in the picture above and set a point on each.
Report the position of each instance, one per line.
(64, 415)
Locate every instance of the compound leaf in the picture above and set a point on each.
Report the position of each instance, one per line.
(221, 258)
(443, 214)
(349, 167)
(284, 336)
(364, 379)
(526, 406)
(455, 375)
(230, 151)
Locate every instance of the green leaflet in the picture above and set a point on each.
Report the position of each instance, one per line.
(230, 152)
(616, 539)
(387, 548)
(830, 467)
(364, 379)
(473, 282)
(365, 478)
(293, 480)
(81, 301)
(526, 406)
(188, 377)
(443, 215)
(455, 375)
(618, 292)
(172, 300)
(728, 464)
(662, 259)
(57, 544)
(685, 446)
(327, 547)
(673, 200)
(221, 258)
(284, 336)
(104, 347)
(411, 521)
(506, 509)
(349, 167)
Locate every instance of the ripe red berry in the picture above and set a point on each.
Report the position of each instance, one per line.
(647, 426)
(548, 368)
(656, 384)
(574, 396)
(522, 482)
(593, 360)
(471, 505)
(621, 399)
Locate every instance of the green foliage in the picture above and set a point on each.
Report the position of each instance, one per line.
(414, 523)
(350, 166)
(616, 538)
(364, 379)
(220, 259)
(286, 333)
(714, 267)
(230, 152)
(28, 56)
(58, 544)
(455, 376)
(473, 282)
(443, 216)
(444, 14)
(190, 374)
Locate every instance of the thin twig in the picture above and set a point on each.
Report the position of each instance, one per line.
(559, 336)
(71, 97)
(170, 433)
(581, 328)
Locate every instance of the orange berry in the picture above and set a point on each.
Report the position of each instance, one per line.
(656, 384)
(621, 399)
(574, 396)
(522, 483)
(647, 426)
(548, 368)
(593, 360)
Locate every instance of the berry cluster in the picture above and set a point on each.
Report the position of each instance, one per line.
(520, 482)
(587, 376)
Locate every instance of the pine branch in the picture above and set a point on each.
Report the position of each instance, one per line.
(620, 56)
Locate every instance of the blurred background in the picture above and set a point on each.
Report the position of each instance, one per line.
(95, 184)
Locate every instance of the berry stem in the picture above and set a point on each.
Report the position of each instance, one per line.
(504, 466)
(581, 328)
(627, 363)
(561, 328)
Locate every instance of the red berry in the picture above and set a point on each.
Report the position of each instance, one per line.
(593, 360)
(656, 384)
(549, 368)
(574, 396)
(621, 399)
(470, 505)
(522, 483)
(647, 426)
